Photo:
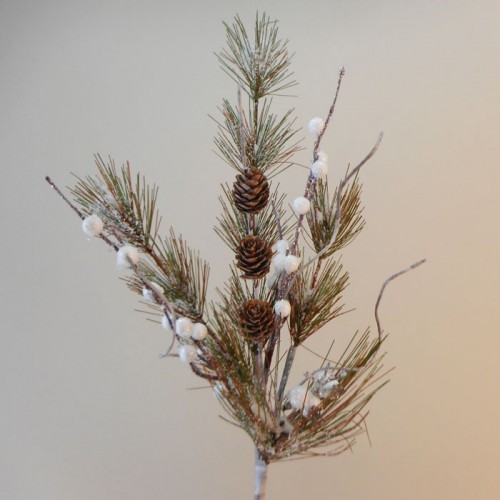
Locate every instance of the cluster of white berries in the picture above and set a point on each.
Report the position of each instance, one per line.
(284, 262)
(186, 330)
(319, 168)
(127, 255)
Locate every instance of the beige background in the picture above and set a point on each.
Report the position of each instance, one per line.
(87, 411)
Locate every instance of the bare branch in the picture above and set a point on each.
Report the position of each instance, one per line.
(330, 114)
(381, 293)
(79, 213)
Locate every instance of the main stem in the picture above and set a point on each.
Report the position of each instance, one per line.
(260, 477)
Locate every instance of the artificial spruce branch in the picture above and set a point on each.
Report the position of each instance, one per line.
(278, 292)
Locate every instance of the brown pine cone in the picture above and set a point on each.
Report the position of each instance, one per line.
(257, 320)
(254, 257)
(251, 191)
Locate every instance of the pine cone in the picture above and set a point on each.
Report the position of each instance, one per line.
(254, 257)
(257, 320)
(251, 191)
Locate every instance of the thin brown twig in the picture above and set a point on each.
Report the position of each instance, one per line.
(381, 293)
(78, 212)
(329, 116)
(287, 282)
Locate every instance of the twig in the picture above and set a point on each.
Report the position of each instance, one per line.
(286, 372)
(330, 114)
(288, 281)
(167, 308)
(381, 293)
(336, 226)
(78, 212)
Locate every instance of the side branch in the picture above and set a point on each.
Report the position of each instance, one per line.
(78, 212)
(381, 293)
(336, 226)
(330, 114)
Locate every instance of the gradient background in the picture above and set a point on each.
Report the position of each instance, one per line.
(87, 411)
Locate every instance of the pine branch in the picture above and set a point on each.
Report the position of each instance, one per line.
(312, 308)
(239, 350)
(126, 205)
(266, 56)
(322, 218)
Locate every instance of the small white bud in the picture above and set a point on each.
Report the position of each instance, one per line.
(279, 262)
(301, 205)
(187, 353)
(92, 225)
(283, 308)
(165, 323)
(316, 126)
(322, 156)
(126, 255)
(282, 246)
(184, 327)
(319, 169)
(148, 294)
(292, 263)
(199, 331)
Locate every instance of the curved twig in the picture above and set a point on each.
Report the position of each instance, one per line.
(381, 293)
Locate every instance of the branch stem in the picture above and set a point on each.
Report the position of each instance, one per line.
(260, 476)
(286, 372)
